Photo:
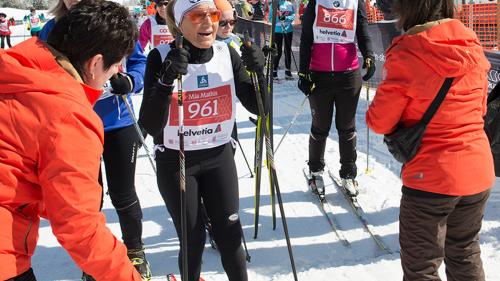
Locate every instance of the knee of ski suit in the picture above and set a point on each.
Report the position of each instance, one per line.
(227, 232)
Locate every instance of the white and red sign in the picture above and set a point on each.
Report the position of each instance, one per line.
(159, 33)
(209, 103)
(335, 21)
(202, 107)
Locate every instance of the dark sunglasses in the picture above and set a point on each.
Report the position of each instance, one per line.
(164, 3)
(226, 22)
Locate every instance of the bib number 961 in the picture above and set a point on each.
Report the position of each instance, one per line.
(205, 109)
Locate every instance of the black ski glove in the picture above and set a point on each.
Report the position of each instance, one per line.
(175, 64)
(253, 58)
(305, 84)
(270, 50)
(122, 84)
(369, 65)
(282, 17)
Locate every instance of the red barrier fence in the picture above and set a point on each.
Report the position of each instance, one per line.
(483, 18)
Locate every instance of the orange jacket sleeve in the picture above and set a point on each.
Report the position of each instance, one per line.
(391, 98)
(68, 170)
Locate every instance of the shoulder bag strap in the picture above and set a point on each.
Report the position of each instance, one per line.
(429, 113)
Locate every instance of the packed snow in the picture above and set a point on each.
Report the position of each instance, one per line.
(318, 253)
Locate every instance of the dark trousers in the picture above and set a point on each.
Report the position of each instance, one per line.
(5, 38)
(120, 154)
(433, 229)
(26, 276)
(340, 90)
(280, 37)
(214, 179)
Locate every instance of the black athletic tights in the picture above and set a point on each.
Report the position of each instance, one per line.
(211, 176)
(280, 37)
(120, 154)
(2, 39)
(339, 90)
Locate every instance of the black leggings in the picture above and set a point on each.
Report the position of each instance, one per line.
(287, 37)
(120, 154)
(339, 89)
(2, 43)
(214, 179)
(26, 276)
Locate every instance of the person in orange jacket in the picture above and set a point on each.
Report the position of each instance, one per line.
(446, 185)
(51, 141)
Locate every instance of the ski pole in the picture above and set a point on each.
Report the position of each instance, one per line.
(244, 156)
(367, 171)
(270, 158)
(297, 113)
(182, 170)
(291, 52)
(139, 132)
(247, 257)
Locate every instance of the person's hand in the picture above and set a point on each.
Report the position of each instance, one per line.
(175, 64)
(270, 50)
(369, 65)
(121, 84)
(253, 57)
(282, 17)
(305, 84)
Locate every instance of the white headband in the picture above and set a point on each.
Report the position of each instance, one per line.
(181, 7)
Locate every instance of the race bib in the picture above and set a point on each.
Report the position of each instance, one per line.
(203, 107)
(159, 39)
(335, 21)
(333, 18)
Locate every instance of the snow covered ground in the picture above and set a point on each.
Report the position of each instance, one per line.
(318, 254)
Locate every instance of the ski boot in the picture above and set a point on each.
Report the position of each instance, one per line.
(275, 74)
(138, 259)
(317, 184)
(288, 75)
(351, 187)
(86, 277)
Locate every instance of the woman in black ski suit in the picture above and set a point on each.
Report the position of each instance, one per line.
(213, 76)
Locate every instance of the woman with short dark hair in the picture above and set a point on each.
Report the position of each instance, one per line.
(52, 140)
(446, 185)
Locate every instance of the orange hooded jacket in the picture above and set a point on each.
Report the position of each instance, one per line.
(455, 157)
(50, 147)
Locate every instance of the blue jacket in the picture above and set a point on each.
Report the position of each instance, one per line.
(112, 110)
(288, 9)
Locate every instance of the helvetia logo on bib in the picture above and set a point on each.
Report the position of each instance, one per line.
(202, 132)
(336, 4)
(202, 81)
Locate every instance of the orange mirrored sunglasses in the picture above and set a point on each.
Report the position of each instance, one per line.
(197, 16)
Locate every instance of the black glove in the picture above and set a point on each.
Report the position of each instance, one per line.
(253, 58)
(369, 64)
(282, 17)
(122, 84)
(305, 84)
(270, 50)
(175, 64)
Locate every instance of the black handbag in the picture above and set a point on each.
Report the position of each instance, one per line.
(404, 143)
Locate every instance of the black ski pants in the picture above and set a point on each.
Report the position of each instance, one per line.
(4, 38)
(26, 276)
(441, 228)
(287, 38)
(120, 155)
(212, 177)
(340, 90)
